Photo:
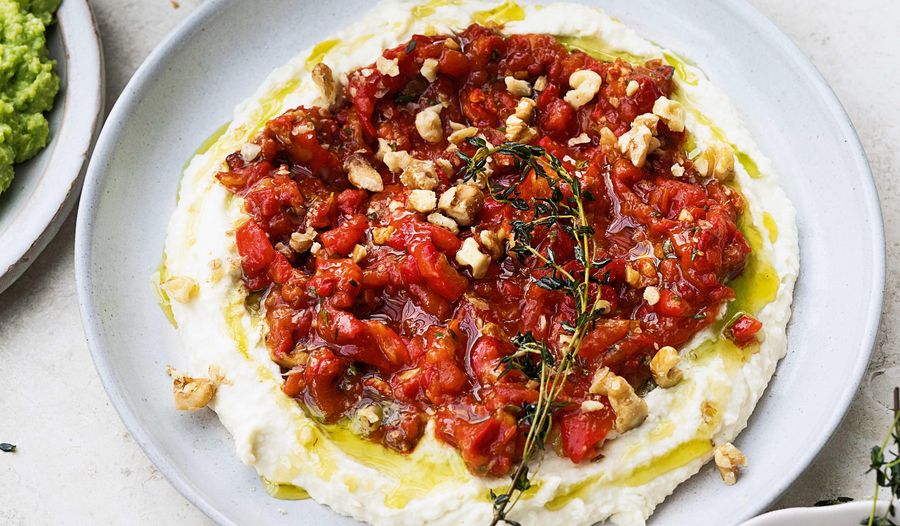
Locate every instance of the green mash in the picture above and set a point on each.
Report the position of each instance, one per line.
(28, 82)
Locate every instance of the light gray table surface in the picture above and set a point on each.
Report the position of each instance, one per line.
(77, 464)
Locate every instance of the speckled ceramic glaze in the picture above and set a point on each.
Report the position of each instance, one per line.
(188, 88)
(46, 188)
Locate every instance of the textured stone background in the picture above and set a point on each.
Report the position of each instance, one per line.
(78, 464)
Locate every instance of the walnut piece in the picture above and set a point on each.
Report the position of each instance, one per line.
(422, 200)
(193, 394)
(651, 295)
(631, 88)
(384, 147)
(302, 241)
(397, 161)
(470, 255)
(717, 161)
(635, 143)
(517, 128)
(671, 112)
(492, 242)
(324, 79)
(359, 253)
(180, 289)
(381, 234)
(585, 85)
(462, 134)
(361, 174)
(429, 69)
(517, 88)
(443, 221)
(420, 175)
(608, 138)
(664, 367)
(428, 123)
(646, 119)
(632, 277)
(462, 203)
(444, 165)
(631, 410)
(729, 460)
(389, 67)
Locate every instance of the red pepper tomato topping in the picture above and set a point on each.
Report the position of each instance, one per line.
(372, 318)
(743, 330)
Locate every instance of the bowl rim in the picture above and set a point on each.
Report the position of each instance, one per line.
(786, 515)
(57, 191)
(131, 96)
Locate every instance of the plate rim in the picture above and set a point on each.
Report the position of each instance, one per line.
(35, 226)
(870, 194)
(130, 97)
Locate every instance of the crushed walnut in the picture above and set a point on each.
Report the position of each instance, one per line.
(193, 394)
(462, 203)
(324, 79)
(631, 410)
(664, 367)
(181, 289)
(729, 461)
(585, 85)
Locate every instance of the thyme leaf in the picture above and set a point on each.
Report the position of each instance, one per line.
(404, 98)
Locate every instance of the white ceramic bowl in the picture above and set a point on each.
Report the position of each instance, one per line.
(188, 87)
(45, 188)
(849, 514)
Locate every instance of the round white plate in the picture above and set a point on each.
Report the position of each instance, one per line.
(45, 188)
(188, 88)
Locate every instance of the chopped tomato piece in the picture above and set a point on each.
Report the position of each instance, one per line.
(453, 63)
(342, 239)
(583, 433)
(743, 331)
(322, 376)
(488, 447)
(672, 304)
(391, 345)
(254, 247)
(435, 269)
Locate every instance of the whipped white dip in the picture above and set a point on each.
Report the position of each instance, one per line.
(271, 432)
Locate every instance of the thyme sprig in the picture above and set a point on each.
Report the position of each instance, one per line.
(561, 213)
(885, 463)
